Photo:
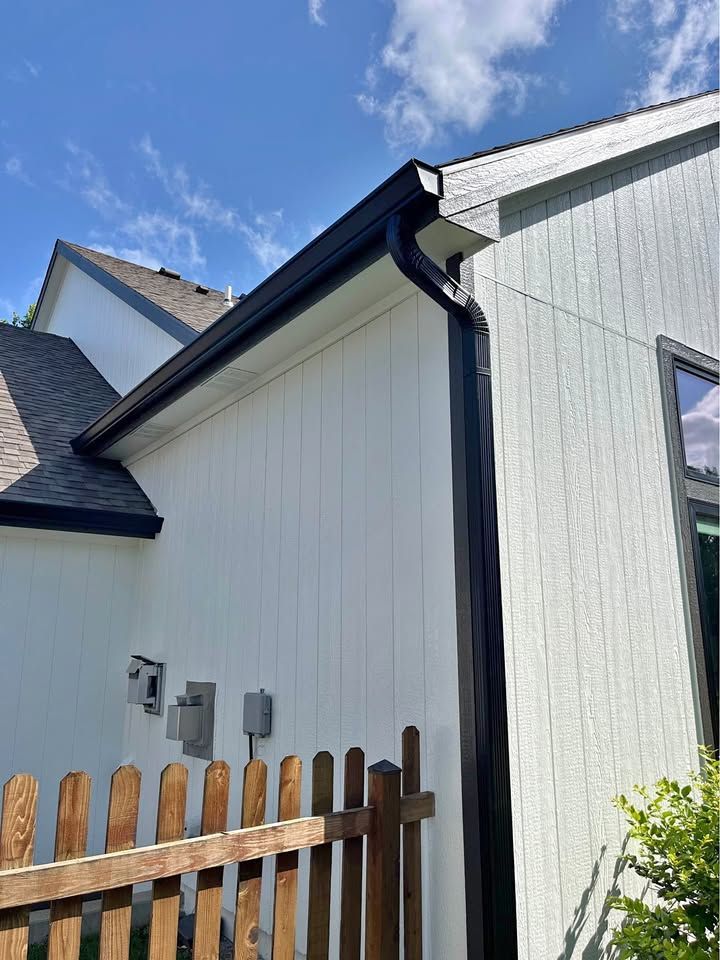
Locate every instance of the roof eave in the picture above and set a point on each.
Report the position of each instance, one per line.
(348, 246)
(43, 516)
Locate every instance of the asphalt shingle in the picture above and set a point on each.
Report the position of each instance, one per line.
(49, 392)
(178, 297)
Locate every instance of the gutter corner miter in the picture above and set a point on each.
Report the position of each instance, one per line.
(485, 769)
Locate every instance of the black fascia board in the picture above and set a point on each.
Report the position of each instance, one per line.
(151, 311)
(351, 244)
(44, 516)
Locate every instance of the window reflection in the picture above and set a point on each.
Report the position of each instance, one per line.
(699, 405)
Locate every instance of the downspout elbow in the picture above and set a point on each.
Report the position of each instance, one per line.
(430, 278)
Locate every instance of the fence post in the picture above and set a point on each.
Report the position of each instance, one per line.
(382, 893)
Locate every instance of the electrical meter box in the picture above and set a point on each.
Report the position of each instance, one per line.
(257, 714)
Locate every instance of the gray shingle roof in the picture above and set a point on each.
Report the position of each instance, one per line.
(49, 392)
(178, 297)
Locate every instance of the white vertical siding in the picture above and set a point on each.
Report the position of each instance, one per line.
(65, 611)
(308, 549)
(122, 344)
(598, 671)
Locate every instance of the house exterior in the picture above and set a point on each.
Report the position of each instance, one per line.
(451, 466)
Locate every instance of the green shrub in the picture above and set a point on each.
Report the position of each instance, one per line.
(676, 832)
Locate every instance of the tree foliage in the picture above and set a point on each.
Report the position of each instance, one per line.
(23, 320)
(676, 835)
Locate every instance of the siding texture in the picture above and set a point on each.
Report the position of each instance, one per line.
(65, 609)
(308, 549)
(598, 661)
(122, 344)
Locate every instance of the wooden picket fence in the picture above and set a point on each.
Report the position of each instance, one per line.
(395, 805)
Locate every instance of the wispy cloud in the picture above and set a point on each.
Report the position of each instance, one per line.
(84, 174)
(23, 72)
(315, 10)
(678, 40)
(446, 64)
(196, 203)
(15, 168)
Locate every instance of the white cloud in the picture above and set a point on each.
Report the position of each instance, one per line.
(14, 168)
(701, 431)
(315, 10)
(679, 43)
(197, 204)
(156, 236)
(32, 68)
(261, 236)
(446, 63)
(85, 174)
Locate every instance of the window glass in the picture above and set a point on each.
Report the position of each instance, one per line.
(699, 405)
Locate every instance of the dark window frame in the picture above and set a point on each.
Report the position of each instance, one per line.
(691, 495)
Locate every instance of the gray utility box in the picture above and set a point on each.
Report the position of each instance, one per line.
(192, 719)
(257, 714)
(145, 683)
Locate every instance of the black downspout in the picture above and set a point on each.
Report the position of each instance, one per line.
(487, 815)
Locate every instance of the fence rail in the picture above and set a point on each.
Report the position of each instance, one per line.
(394, 808)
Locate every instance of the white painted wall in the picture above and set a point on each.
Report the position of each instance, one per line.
(597, 659)
(308, 548)
(65, 608)
(122, 344)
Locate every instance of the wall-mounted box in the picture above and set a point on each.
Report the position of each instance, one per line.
(257, 714)
(145, 683)
(192, 719)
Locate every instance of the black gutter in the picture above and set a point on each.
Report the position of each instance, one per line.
(487, 816)
(42, 516)
(155, 314)
(350, 245)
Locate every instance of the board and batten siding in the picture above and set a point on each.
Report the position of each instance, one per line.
(598, 659)
(66, 603)
(119, 342)
(308, 549)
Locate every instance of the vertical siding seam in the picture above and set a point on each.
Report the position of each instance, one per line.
(640, 493)
(567, 543)
(83, 642)
(694, 173)
(262, 525)
(297, 588)
(653, 617)
(24, 650)
(657, 245)
(593, 485)
(365, 507)
(391, 473)
(281, 508)
(682, 165)
(341, 473)
(593, 489)
(321, 472)
(663, 170)
(542, 583)
(424, 739)
(712, 146)
(54, 646)
(95, 809)
(624, 565)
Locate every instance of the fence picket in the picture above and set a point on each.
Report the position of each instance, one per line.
(17, 839)
(166, 891)
(286, 864)
(247, 911)
(120, 835)
(412, 870)
(208, 904)
(71, 835)
(382, 887)
(352, 860)
(318, 933)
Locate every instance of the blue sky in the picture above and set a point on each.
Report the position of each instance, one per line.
(217, 138)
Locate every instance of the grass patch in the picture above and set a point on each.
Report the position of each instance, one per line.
(90, 946)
